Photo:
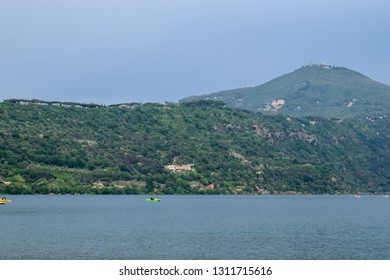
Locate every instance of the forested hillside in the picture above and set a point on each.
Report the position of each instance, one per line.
(197, 147)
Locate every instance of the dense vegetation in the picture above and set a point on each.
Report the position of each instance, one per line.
(314, 90)
(58, 149)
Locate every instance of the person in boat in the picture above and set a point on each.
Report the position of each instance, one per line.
(4, 198)
(152, 198)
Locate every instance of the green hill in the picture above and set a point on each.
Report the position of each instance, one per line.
(198, 147)
(316, 90)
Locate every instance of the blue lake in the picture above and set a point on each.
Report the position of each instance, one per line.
(195, 227)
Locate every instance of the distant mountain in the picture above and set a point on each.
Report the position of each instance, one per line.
(315, 90)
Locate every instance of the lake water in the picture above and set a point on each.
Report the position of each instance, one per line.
(195, 227)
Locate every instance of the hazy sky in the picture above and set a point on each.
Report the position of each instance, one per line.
(112, 51)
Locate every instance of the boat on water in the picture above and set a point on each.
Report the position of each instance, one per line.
(152, 199)
(4, 201)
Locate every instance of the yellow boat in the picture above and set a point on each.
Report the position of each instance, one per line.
(4, 201)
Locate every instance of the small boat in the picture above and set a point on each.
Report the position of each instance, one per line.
(357, 196)
(4, 201)
(152, 199)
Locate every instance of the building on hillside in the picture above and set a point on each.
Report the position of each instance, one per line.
(277, 104)
(208, 187)
(179, 168)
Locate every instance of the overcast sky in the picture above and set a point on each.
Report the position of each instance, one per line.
(113, 51)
